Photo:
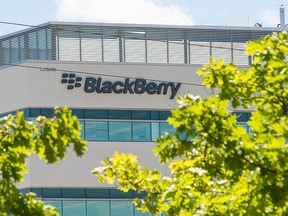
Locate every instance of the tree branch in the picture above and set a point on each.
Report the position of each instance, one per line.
(258, 165)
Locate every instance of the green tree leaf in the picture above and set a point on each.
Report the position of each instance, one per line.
(19, 138)
(217, 168)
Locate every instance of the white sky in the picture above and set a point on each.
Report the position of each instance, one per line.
(122, 11)
(184, 12)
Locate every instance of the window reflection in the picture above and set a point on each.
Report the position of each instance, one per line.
(74, 208)
(98, 208)
(120, 131)
(125, 131)
(96, 130)
(166, 128)
(141, 131)
(130, 131)
(121, 208)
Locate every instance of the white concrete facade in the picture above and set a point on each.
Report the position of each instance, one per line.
(33, 87)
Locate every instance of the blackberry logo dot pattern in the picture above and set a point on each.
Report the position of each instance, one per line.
(72, 80)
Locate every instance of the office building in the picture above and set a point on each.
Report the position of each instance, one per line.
(121, 81)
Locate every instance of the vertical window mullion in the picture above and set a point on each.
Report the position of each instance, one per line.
(167, 51)
(108, 128)
(232, 57)
(150, 139)
(102, 44)
(80, 46)
(146, 50)
(1, 57)
(37, 45)
(46, 44)
(132, 132)
(19, 48)
(10, 52)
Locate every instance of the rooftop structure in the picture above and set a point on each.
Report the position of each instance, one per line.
(64, 41)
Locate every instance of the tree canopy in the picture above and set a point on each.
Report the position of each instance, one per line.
(217, 166)
(19, 138)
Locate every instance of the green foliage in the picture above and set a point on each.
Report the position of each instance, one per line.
(19, 138)
(217, 168)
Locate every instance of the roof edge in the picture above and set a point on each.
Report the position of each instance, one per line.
(131, 25)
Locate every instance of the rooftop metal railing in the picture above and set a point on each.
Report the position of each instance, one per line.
(129, 43)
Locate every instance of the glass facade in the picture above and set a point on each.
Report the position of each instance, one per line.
(95, 131)
(142, 131)
(123, 125)
(120, 131)
(115, 125)
(97, 208)
(124, 131)
(90, 202)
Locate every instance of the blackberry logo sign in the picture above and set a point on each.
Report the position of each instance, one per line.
(136, 86)
(72, 80)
